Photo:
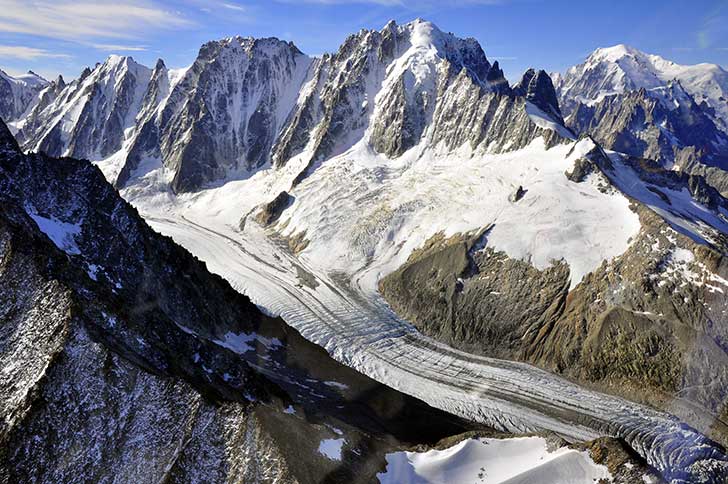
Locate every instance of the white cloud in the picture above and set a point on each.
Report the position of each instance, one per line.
(27, 53)
(118, 47)
(233, 6)
(84, 20)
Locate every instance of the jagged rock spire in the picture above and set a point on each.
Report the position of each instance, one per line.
(496, 79)
(538, 88)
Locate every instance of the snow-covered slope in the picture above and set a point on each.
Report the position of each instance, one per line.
(17, 94)
(622, 68)
(361, 212)
(494, 461)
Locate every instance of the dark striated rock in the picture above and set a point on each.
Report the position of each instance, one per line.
(537, 88)
(497, 80)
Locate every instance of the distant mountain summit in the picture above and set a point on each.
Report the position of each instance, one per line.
(617, 69)
(646, 106)
(18, 93)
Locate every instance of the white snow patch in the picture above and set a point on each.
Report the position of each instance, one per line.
(544, 121)
(493, 461)
(61, 233)
(331, 448)
(337, 385)
(239, 343)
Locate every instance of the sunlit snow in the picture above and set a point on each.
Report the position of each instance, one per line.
(493, 461)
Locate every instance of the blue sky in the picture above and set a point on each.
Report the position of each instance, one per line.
(60, 36)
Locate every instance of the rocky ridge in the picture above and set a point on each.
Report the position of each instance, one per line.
(246, 103)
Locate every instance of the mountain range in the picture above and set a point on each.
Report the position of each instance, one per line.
(542, 255)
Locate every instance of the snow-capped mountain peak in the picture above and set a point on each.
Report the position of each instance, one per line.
(245, 102)
(621, 68)
(18, 93)
(425, 38)
(32, 80)
(616, 53)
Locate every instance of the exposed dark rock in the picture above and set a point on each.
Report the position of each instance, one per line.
(517, 195)
(271, 211)
(497, 80)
